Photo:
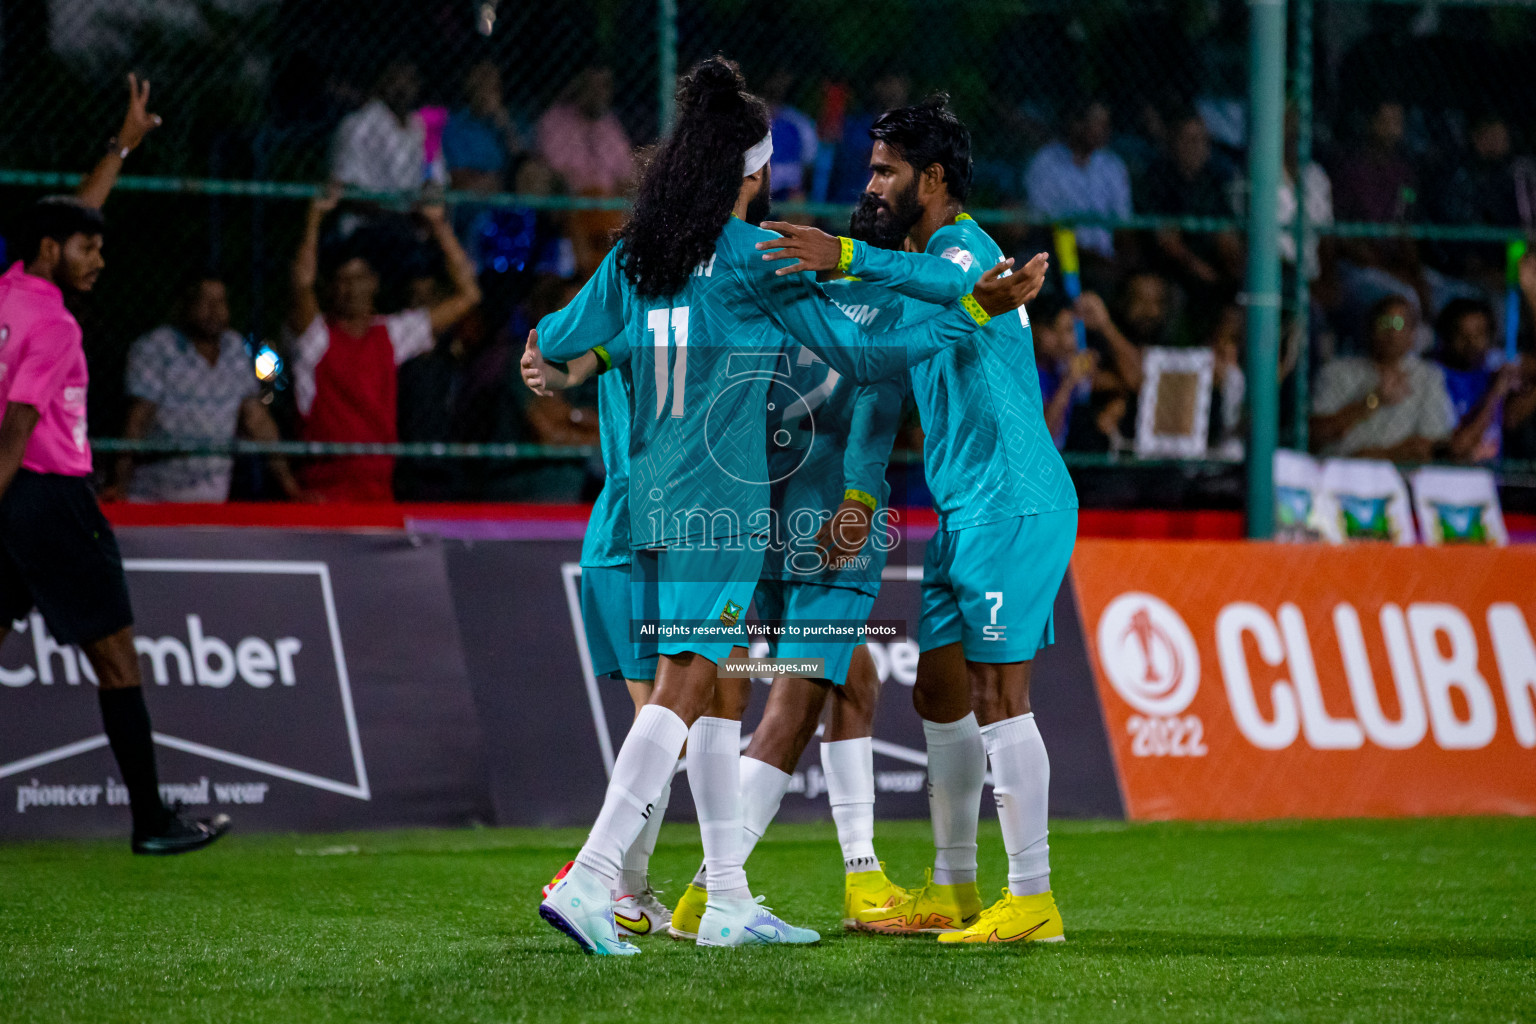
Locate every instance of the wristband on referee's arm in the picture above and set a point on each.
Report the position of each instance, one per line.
(862, 497)
(845, 256)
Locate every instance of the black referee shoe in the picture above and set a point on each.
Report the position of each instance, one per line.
(181, 835)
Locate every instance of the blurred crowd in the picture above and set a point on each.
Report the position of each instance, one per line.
(407, 319)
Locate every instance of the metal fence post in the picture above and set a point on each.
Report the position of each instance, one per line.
(666, 64)
(1266, 89)
(1301, 230)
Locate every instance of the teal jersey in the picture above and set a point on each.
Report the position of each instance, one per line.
(828, 437)
(701, 363)
(607, 539)
(987, 451)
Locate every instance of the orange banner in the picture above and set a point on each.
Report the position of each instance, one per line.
(1264, 680)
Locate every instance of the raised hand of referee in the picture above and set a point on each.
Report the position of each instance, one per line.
(137, 123)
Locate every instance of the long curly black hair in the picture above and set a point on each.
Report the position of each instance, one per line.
(691, 181)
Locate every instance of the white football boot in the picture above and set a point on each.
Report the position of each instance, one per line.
(580, 906)
(748, 923)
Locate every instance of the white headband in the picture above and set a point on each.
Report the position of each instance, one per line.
(757, 156)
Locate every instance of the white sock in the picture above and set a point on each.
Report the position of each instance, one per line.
(642, 770)
(714, 775)
(1021, 777)
(849, 766)
(635, 870)
(762, 790)
(957, 766)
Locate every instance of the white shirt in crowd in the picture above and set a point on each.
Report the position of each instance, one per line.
(374, 151)
(1319, 214)
(193, 400)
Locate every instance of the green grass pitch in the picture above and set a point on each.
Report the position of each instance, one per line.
(1370, 921)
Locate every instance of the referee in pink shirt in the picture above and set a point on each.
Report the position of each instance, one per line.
(57, 551)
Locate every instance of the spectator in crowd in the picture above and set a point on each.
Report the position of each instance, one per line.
(1480, 185)
(1377, 181)
(1388, 405)
(382, 145)
(1520, 437)
(190, 380)
(1118, 375)
(1082, 175)
(1189, 182)
(1318, 192)
(1066, 374)
(1146, 310)
(1229, 385)
(850, 162)
(1483, 187)
(794, 139)
(582, 141)
(461, 391)
(344, 359)
(514, 245)
(1485, 391)
(481, 144)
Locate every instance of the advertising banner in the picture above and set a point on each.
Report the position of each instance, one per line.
(1247, 681)
(321, 680)
(294, 680)
(552, 728)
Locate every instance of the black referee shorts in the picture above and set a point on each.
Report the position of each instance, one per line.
(58, 554)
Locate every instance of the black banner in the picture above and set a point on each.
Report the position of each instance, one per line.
(328, 680)
(307, 681)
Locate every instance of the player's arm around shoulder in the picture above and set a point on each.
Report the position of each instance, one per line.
(917, 275)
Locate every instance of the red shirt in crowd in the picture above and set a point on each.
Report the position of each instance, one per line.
(345, 387)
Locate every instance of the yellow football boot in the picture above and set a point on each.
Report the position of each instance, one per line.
(867, 890)
(690, 910)
(933, 908)
(1015, 919)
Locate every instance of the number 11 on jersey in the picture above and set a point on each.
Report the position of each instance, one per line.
(669, 327)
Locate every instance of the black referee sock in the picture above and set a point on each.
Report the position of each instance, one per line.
(127, 724)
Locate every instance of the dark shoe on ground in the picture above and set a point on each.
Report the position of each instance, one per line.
(181, 834)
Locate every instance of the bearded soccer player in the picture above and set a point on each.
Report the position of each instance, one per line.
(1007, 525)
(703, 326)
(57, 552)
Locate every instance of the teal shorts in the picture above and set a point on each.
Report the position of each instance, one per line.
(807, 605)
(606, 612)
(992, 588)
(693, 599)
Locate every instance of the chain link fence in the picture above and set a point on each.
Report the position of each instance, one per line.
(1126, 121)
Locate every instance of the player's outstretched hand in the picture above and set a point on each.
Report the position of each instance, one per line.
(813, 248)
(536, 371)
(138, 121)
(998, 294)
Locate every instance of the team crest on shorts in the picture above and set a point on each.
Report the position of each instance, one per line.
(732, 613)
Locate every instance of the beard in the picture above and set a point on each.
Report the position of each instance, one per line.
(882, 226)
(760, 205)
